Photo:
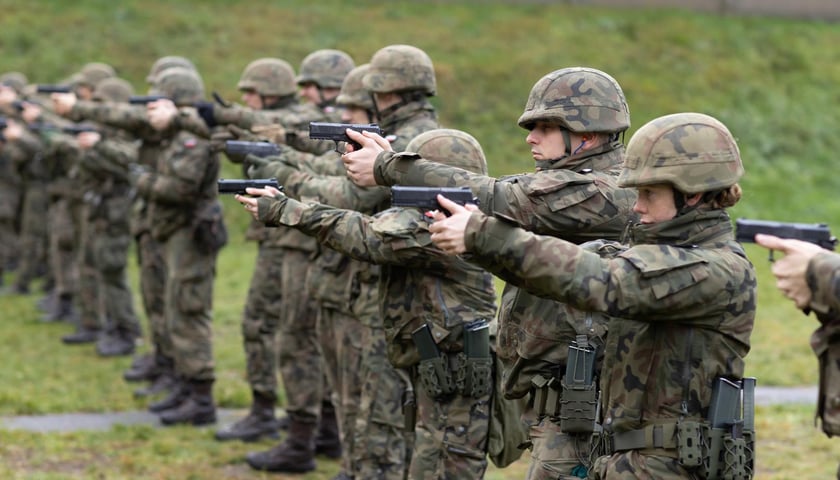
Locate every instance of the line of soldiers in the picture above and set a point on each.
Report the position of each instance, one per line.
(627, 311)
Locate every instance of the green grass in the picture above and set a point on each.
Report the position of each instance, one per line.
(772, 81)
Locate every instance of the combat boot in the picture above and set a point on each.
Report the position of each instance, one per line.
(164, 377)
(62, 310)
(81, 335)
(197, 409)
(296, 454)
(327, 439)
(142, 368)
(177, 395)
(258, 423)
(115, 344)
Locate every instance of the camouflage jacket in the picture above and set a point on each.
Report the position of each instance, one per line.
(823, 276)
(183, 184)
(418, 282)
(578, 199)
(684, 295)
(337, 280)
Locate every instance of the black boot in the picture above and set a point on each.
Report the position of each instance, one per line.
(177, 395)
(197, 409)
(327, 439)
(164, 383)
(81, 335)
(259, 422)
(295, 455)
(142, 368)
(115, 343)
(62, 311)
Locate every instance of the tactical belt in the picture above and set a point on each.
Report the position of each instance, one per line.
(658, 439)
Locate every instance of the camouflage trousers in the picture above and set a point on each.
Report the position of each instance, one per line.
(299, 357)
(64, 220)
(341, 339)
(152, 288)
(104, 291)
(450, 437)
(9, 245)
(188, 305)
(261, 320)
(557, 455)
(33, 234)
(634, 465)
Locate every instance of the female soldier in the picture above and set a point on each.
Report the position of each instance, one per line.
(684, 291)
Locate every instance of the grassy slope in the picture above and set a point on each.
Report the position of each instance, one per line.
(773, 82)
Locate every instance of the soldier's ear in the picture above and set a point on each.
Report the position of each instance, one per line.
(692, 200)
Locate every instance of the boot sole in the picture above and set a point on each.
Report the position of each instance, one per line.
(248, 438)
(295, 469)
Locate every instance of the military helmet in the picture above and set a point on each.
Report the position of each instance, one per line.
(14, 80)
(169, 61)
(398, 68)
(92, 73)
(580, 100)
(268, 76)
(452, 147)
(691, 151)
(181, 85)
(353, 93)
(325, 68)
(113, 90)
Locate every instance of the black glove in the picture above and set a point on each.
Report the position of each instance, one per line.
(205, 111)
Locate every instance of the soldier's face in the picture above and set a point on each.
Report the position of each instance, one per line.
(355, 115)
(252, 99)
(546, 141)
(655, 203)
(309, 92)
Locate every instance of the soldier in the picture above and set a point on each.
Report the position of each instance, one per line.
(185, 217)
(683, 294)
(574, 118)
(444, 295)
(404, 78)
(320, 77)
(105, 296)
(158, 366)
(11, 184)
(808, 275)
(283, 255)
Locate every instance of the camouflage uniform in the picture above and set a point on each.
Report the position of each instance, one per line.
(452, 427)
(575, 197)
(133, 119)
(683, 292)
(822, 277)
(104, 175)
(185, 216)
(25, 155)
(278, 322)
(11, 187)
(371, 396)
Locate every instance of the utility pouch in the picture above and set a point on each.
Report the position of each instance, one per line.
(690, 444)
(475, 373)
(579, 397)
(433, 370)
(734, 459)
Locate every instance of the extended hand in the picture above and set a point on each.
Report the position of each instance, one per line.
(250, 201)
(790, 270)
(448, 233)
(359, 164)
(160, 113)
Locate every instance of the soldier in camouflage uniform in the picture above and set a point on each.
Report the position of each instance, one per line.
(574, 117)
(104, 175)
(444, 295)
(810, 276)
(11, 184)
(683, 292)
(320, 77)
(404, 77)
(185, 217)
(156, 367)
(276, 303)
